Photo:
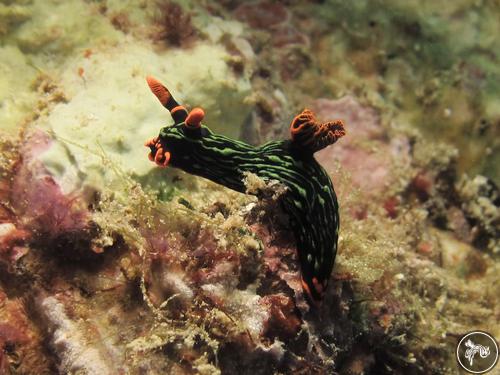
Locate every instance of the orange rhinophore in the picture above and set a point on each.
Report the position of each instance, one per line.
(178, 112)
(160, 91)
(307, 132)
(176, 109)
(193, 120)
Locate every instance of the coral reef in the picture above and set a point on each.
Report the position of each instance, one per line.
(174, 26)
(109, 265)
(68, 340)
(211, 283)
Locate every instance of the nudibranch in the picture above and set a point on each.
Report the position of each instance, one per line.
(309, 199)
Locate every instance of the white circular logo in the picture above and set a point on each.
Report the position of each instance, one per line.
(477, 352)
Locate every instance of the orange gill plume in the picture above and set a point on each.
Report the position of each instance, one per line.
(308, 133)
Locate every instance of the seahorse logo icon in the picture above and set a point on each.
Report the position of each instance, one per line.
(484, 351)
(477, 352)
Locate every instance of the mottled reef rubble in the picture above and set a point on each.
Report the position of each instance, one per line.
(108, 266)
(206, 280)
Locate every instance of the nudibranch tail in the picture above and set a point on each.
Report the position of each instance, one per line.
(309, 134)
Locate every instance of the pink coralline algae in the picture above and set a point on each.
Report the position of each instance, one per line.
(284, 320)
(368, 167)
(20, 340)
(274, 18)
(368, 156)
(12, 242)
(288, 35)
(38, 198)
(261, 14)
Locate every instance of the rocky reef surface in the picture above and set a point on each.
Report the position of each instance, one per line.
(109, 265)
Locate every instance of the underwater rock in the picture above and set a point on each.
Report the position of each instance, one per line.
(366, 155)
(62, 28)
(39, 200)
(21, 344)
(284, 321)
(73, 350)
(11, 15)
(289, 35)
(174, 284)
(76, 154)
(261, 14)
(481, 204)
(182, 276)
(423, 184)
(17, 99)
(12, 241)
(364, 121)
(174, 26)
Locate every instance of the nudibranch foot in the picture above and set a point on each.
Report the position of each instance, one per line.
(309, 199)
